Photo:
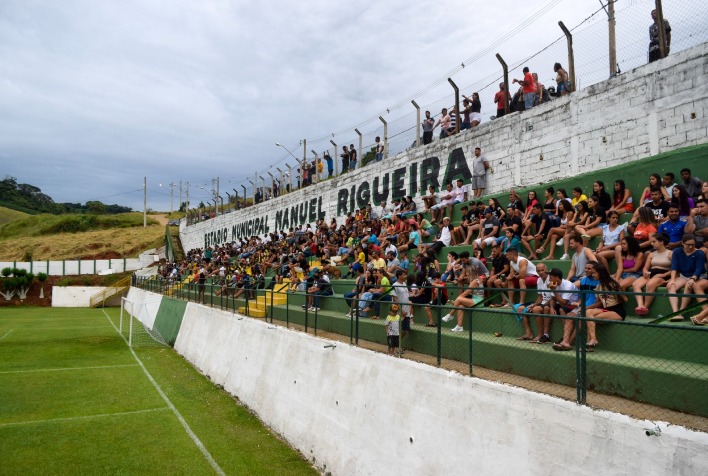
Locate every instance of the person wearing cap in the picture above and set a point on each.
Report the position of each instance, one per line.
(393, 329)
(489, 232)
(321, 287)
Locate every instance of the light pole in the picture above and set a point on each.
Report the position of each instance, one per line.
(290, 177)
(145, 202)
(293, 156)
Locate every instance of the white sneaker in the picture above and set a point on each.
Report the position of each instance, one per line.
(559, 242)
(565, 256)
(457, 329)
(447, 318)
(313, 309)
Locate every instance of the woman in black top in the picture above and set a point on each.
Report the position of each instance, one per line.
(598, 188)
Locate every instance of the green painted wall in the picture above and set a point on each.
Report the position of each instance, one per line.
(169, 318)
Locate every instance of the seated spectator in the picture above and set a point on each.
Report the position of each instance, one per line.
(654, 182)
(470, 297)
(515, 201)
(446, 201)
(656, 273)
(687, 265)
(460, 192)
(531, 200)
(612, 234)
(566, 214)
(536, 230)
(460, 231)
(430, 199)
(581, 256)
(597, 217)
(489, 232)
(630, 262)
(691, 184)
(510, 241)
(673, 227)
(414, 238)
(523, 275)
(322, 287)
(444, 240)
(578, 196)
(378, 294)
(500, 268)
(598, 189)
(542, 305)
(645, 226)
(425, 228)
(622, 199)
(682, 200)
(697, 224)
(669, 182)
(550, 205)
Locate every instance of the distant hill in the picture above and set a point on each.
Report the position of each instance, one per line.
(8, 215)
(26, 198)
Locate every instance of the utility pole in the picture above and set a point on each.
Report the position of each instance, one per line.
(145, 202)
(613, 45)
(187, 203)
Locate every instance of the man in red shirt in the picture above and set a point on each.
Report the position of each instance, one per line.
(500, 100)
(530, 88)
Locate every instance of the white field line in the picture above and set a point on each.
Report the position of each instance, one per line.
(6, 334)
(210, 459)
(60, 369)
(35, 329)
(27, 319)
(84, 417)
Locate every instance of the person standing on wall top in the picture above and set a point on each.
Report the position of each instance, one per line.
(330, 164)
(479, 172)
(443, 122)
(475, 110)
(529, 88)
(654, 49)
(352, 157)
(345, 159)
(380, 146)
(562, 81)
(428, 124)
(500, 100)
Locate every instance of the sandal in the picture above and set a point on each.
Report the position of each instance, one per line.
(540, 250)
(524, 338)
(560, 347)
(592, 344)
(431, 325)
(678, 318)
(641, 311)
(697, 322)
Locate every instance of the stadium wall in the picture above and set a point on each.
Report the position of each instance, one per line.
(353, 411)
(659, 107)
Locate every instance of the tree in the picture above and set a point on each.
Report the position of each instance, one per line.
(96, 207)
(42, 277)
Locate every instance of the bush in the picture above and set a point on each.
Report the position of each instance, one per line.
(27, 256)
(63, 282)
(6, 272)
(42, 277)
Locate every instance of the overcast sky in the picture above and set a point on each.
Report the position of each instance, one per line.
(96, 94)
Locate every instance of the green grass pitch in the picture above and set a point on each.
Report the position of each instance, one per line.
(74, 400)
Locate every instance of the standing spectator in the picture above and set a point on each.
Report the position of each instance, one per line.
(443, 122)
(480, 165)
(380, 147)
(454, 117)
(352, 157)
(475, 109)
(692, 184)
(540, 90)
(345, 159)
(466, 111)
(562, 81)
(393, 322)
(330, 164)
(529, 88)
(501, 98)
(428, 124)
(654, 46)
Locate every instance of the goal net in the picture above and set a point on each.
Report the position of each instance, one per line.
(134, 331)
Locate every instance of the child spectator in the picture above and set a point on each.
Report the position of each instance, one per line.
(393, 329)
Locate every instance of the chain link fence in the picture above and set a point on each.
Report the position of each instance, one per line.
(647, 369)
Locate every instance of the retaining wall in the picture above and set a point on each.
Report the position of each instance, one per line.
(353, 411)
(656, 108)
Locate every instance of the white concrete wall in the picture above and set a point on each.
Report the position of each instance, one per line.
(74, 296)
(356, 412)
(76, 267)
(655, 108)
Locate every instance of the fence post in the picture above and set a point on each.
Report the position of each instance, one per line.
(660, 26)
(385, 137)
(456, 106)
(611, 31)
(581, 368)
(571, 57)
(356, 328)
(417, 123)
(334, 158)
(272, 292)
(439, 343)
(287, 310)
(361, 142)
(471, 316)
(505, 69)
(307, 309)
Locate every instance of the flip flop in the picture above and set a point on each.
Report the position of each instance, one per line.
(641, 311)
(561, 347)
(592, 345)
(677, 319)
(524, 338)
(697, 322)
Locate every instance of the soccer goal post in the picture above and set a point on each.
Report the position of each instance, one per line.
(135, 332)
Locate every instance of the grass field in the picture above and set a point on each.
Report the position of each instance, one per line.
(74, 399)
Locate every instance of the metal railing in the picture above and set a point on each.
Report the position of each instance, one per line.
(649, 369)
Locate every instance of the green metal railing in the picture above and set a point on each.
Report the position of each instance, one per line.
(647, 368)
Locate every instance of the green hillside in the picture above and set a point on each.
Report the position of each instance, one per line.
(7, 215)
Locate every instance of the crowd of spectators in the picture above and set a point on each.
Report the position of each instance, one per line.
(391, 252)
